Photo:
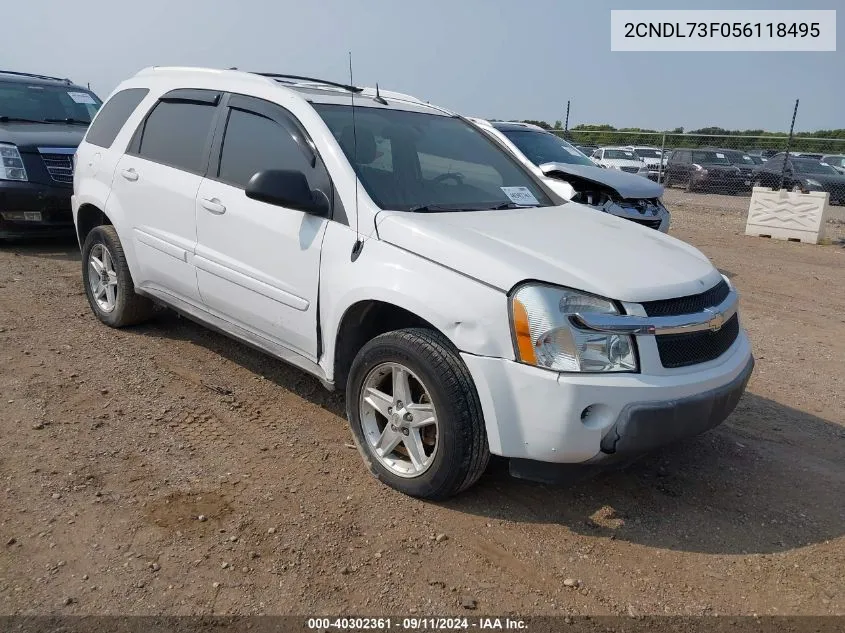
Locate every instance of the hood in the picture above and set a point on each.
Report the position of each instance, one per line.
(570, 245)
(827, 179)
(719, 167)
(622, 162)
(625, 184)
(31, 136)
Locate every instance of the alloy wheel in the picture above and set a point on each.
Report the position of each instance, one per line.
(102, 277)
(398, 419)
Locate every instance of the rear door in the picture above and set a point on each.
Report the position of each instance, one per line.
(684, 166)
(156, 183)
(258, 264)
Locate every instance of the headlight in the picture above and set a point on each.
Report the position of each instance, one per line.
(545, 337)
(811, 182)
(11, 163)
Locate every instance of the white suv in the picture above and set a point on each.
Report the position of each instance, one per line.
(620, 158)
(393, 250)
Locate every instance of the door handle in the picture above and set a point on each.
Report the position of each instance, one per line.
(129, 174)
(213, 205)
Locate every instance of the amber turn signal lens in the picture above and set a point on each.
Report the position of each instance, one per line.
(523, 333)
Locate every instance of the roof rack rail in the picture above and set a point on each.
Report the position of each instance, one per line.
(355, 89)
(34, 76)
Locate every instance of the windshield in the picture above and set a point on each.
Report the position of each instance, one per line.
(47, 103)
(623, 154)
(647, 152)
(412, 161)
(540, 148)
(738, 158)
(808, 166)
(710, 158)
(839, 161)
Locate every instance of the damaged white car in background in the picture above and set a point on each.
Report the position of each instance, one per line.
(572, 175)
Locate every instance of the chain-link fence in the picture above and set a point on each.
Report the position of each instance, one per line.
(726, 164)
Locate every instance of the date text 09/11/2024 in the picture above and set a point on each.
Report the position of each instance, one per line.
(422, 623)
(722, 29)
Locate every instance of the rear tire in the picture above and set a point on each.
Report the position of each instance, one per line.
(451, 448)
(108, 282)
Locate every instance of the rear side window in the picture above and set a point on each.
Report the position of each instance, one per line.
(176, 133)
(253, 143)
(113, 116)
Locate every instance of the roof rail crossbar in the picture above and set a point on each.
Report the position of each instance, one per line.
(355, 89)
(34, 76)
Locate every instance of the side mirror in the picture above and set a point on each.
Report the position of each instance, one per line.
(286, 188)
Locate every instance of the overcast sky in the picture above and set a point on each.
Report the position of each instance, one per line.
(490, 58)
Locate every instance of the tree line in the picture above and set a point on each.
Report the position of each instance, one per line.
(606, 134)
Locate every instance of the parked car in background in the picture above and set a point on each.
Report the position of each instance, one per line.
(396, 252)
(704, 170)
(42, 120)
(620, 158)
(757, 159)
(801, 174)
(575, 177)
(812, 155)
(837, 161)
(652, 157)
(738, 159)
(587, 150)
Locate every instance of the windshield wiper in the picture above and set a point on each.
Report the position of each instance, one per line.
(69, 120)
(433, 208)
(17, 119)
(510, 205)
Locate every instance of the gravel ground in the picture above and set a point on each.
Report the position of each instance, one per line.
(165, 469)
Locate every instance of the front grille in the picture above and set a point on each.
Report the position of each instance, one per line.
(649, 222)
(681, 350)
(689, 304)
(630, 170)
(59, 166)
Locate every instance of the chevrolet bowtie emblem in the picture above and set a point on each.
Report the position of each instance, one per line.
(716, 322)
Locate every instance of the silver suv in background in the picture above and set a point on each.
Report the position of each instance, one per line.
(652, 157)
(620, 158)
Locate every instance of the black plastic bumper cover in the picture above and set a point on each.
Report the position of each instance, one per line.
(642, 427)
(53, 202)
(645, 426)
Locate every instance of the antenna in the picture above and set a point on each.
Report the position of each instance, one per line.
(378, 98)
(359, 243)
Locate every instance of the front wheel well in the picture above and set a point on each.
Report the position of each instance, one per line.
(87, 219)
(361, 323)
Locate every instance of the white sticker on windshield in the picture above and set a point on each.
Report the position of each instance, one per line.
(520, 195)
(718, 155)
(82, 97)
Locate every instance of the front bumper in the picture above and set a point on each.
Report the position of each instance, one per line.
(535, 414)
(723, 183)
(52, 202)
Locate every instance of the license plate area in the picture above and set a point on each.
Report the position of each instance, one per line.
(21, 216)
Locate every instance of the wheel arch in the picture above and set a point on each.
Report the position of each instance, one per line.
(364, 320)
(88, 218)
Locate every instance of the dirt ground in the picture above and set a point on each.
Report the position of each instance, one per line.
(113, 443)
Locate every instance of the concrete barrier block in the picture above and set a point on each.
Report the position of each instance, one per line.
(786, 215)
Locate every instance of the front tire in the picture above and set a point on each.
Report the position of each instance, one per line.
(415, 414)
(108, 282)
